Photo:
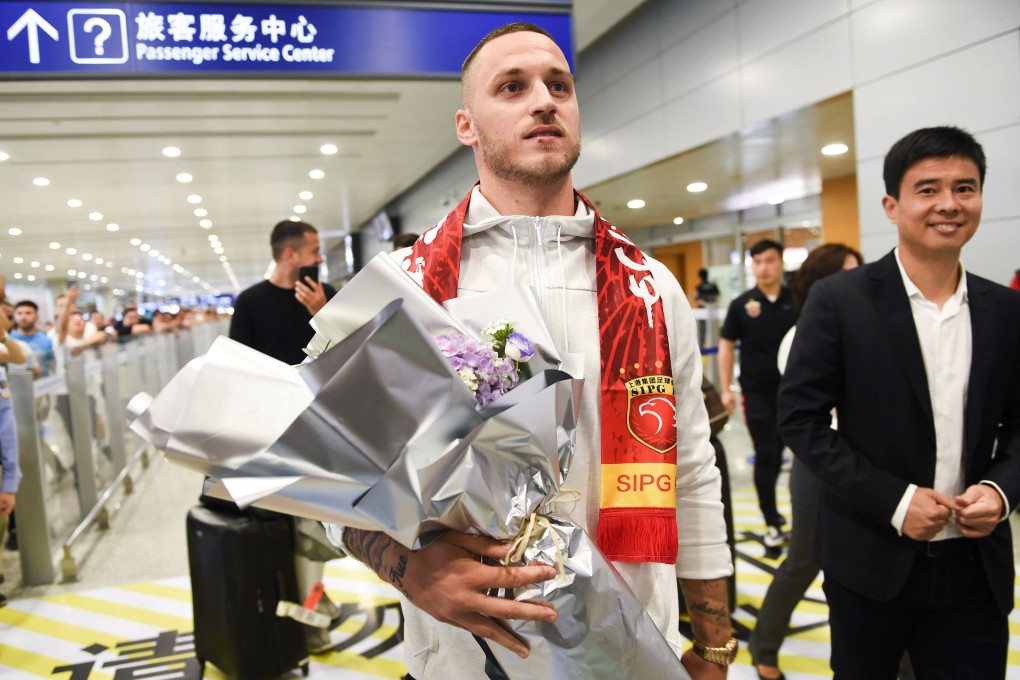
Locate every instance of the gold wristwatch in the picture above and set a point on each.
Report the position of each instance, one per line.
(723, 656)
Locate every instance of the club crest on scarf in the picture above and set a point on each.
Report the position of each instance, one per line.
(651, 411)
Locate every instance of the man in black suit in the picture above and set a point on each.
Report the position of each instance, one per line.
(920, 360)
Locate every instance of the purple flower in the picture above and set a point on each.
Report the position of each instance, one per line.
(519, 348)
(483, 372)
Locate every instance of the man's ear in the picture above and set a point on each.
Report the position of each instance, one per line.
(465, 128)
(891, 207)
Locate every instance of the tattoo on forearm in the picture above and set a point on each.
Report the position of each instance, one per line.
(706, 601)
(381, 553)
(719, 615)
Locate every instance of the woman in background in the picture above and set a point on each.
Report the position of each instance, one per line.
(798, 570)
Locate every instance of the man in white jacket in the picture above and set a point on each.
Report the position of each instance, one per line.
(524, 223)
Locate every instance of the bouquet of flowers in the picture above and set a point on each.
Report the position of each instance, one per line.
(333, 440)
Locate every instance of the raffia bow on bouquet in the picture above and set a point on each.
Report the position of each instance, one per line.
(378, 432)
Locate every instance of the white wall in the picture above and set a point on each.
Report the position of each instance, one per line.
(691, 71)
(677, 74)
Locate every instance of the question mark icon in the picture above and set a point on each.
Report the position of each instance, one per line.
(104, 32)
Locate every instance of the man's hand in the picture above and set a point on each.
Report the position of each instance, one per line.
(310, 293)
(699, 669)
(980, 508)
(729, 400)
(6, 504)
(447, 581)
(928, 513)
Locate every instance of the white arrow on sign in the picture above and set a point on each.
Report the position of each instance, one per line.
(32, 22)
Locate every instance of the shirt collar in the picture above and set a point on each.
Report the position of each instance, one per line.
(913, 291)
(482, 215)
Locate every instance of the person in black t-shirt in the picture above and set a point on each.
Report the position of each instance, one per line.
(272, 316)
(759, 319)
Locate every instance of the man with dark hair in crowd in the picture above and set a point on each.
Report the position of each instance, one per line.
(919, 358)
(26, 316)
(272, 316)
(759, 319)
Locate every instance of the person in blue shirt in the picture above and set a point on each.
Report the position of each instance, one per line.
(26, 316)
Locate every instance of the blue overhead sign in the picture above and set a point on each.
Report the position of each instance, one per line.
(99, 39)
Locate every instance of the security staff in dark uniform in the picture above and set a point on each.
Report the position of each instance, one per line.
(759, 319)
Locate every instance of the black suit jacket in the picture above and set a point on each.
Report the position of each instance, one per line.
(857, 350)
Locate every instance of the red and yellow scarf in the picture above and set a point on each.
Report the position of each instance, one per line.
(637, 511)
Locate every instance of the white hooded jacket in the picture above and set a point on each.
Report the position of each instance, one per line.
(555, 255)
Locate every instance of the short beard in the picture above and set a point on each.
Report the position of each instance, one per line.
(550, 169)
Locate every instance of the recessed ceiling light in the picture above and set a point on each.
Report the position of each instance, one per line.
(316, 174)
(41, 182)
(184, 177)
(775, 200)
(218, 251)
(31, 277)
(300, 209)
(74, 203)
(678, 221)
(19, 260)
(136, 241)
(99, 260)
(171, 151)
(328, 149)
(14, 231)
(49, 267)
(112, 226)
(144, 247)
(153, 252)
(95, 216)
(54, 245)
(94, 277)
(34, 264)
(635, 203)
(104, 280)
(223, 258)
(295, 218)
(71, 251)
(205, 224)
(82, 275)
(194, 198)
(3, 156)
(201, 212)
(17, 275)
(305, 195)
(695, 187)
(835, 149)
(86, 256)
(72, 272)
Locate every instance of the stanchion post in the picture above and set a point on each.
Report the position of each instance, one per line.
(33, 525)
(81, 433)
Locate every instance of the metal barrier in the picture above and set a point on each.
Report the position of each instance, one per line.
(64, 421)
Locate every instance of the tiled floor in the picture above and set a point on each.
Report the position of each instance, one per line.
(130, 615)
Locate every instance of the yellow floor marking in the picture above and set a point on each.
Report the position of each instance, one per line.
(56, 628)
(30, 662)
(121, 611)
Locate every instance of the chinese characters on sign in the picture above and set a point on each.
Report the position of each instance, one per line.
(99, 39)
(171, 38)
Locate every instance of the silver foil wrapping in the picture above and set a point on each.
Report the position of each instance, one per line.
(379, 433)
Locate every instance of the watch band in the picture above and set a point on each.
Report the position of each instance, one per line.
(723, 656)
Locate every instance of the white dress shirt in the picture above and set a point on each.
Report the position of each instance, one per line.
(946, 346)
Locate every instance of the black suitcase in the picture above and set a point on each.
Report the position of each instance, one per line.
(241, 565)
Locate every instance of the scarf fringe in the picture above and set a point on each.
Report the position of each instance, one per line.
(630, 537)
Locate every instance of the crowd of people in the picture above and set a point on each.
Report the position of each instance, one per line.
(42, 347)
